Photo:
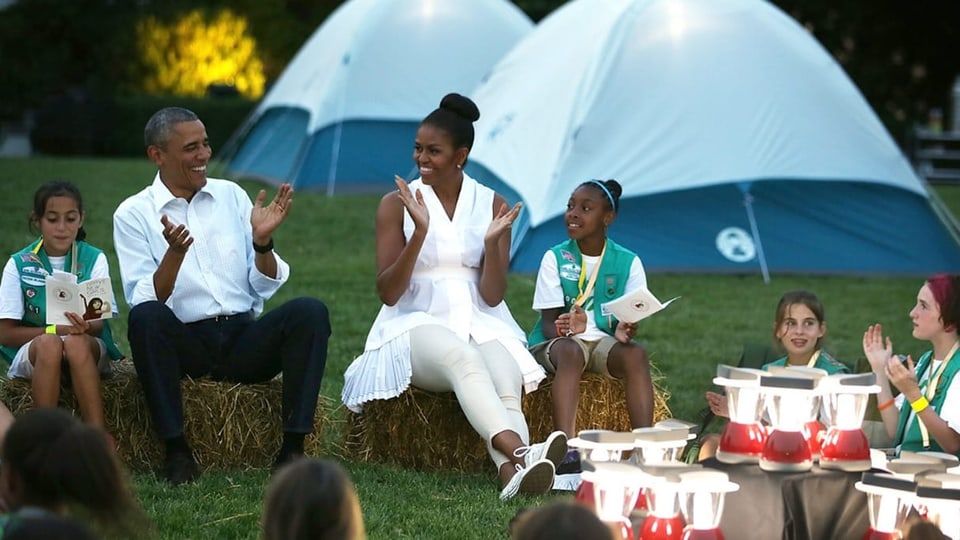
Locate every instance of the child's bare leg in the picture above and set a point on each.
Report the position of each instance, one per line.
(82, 353)
(629, 362)
(568, 358)
(709, 444)
(46, 355)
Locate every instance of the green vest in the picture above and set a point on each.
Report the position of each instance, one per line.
(611, 283)
(825, 362)
(33, 266)
(913, 440)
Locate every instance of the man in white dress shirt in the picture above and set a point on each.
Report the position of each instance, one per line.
(197, 263)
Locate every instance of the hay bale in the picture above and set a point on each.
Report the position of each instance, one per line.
(229, 425)
(602, 405)
(428, 431)
(418, 429)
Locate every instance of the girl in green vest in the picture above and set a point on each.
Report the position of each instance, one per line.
(798, 328)
(573, 334)
(926, 413)
(36, 350)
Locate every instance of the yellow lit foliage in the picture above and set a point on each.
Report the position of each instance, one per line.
(185, 57)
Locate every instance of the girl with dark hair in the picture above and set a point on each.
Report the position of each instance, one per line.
(443, 247)
(926, 413)
(311, 499)
(54, 464)
(799, 327)
(36, 350)
(573, 334)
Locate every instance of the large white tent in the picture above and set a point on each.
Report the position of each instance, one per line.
(740, 142)
(344, 112)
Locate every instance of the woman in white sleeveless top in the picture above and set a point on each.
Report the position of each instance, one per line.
(443, 245)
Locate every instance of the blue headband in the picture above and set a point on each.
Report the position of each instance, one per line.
(613, 204)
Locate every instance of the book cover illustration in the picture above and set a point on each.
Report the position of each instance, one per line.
(90, 299)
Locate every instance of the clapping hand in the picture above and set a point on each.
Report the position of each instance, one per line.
(502, 222)
(265, 219)
(877, 351)
(718, 404)
(177, 236)
(413, 202)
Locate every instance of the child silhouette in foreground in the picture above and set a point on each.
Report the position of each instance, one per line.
(53, 464)
(312, 499)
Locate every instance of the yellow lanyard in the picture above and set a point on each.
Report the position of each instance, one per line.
(814, 358)
(932, 389)
(585, 293)
(73, 254)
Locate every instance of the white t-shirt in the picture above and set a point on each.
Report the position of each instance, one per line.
(549, 293)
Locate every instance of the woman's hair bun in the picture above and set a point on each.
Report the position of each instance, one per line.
(461, 106)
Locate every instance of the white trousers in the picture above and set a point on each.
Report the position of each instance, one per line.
(485, 378)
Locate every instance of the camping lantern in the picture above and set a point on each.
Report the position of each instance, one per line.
(599, 446)
(888, 503)
(658, 445)
(812, 429)
(939, 494)
(845, 446)
(701, 499)
(616, 487)
(663, 520)
(790, 403)
(744, 436)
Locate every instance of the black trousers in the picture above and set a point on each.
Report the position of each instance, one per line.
(290, 339)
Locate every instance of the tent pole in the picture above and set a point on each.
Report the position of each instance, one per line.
(755, 231)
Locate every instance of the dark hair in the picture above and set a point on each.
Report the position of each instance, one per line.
(946, 291)
(159, 128)
(609, 190)
(798, 296)
(311, 499)
(55, 188)
(62, 461)
(455, 116)
(560, 521)
(46, 527)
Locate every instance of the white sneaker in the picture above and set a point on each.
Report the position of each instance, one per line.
(535, 479)
(553, 449)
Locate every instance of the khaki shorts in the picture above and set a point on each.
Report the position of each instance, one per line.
(595, 353)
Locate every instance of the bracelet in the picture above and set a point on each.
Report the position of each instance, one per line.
(885, 404)
(264, 249)
(51, 329)
(920, 404)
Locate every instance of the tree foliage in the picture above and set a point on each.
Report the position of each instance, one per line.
(188, 55)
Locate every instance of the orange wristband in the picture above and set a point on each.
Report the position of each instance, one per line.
(885, 405)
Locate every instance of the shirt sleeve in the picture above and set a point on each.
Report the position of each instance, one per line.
(11, 296)
(637, 277)
(137, 264)
(950, 411)
(548, 293)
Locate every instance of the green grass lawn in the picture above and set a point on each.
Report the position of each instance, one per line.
(330, 246)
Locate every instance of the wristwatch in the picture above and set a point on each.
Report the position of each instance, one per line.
(264, 249)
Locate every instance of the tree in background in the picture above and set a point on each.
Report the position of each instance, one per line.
(187, 56)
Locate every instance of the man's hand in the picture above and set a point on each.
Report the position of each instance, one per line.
(177, 236)
(265, 219)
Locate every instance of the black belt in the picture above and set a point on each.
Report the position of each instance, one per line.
(225, 318)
